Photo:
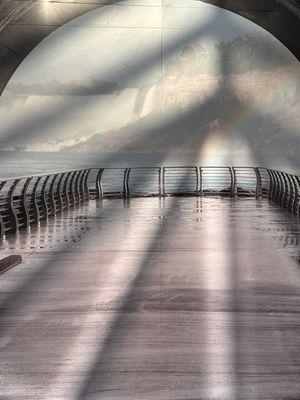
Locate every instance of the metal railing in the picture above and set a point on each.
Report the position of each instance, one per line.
(27, 200)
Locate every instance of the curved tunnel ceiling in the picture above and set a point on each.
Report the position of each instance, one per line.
(24, 23)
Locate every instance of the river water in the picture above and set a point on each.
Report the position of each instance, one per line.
(21, 163)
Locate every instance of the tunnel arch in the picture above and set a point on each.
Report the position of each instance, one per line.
(210, 114)
(24, 24)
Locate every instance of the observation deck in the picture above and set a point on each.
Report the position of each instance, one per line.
(151, 283)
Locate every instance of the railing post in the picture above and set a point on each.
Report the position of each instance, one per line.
(201, 181)
(282, 189)
(297, 201)
(52, 194)
(288, 195)
(99, 191)
(293, 196)
(233, 189)
(162, 188)
(72, 201)
(2, 229)
(277, 187)
(86, 185)
(66, 190)
(81, 186)
(44, 197)
(272, 183)
(198, 180)
(286, 190)
(126, 183)
(24, 202)
(13, 216)
(76, 188)
(34, 200)
(258, 190)
(59, 190)
(160, 181)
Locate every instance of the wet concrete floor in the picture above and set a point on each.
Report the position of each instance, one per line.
(176, 298)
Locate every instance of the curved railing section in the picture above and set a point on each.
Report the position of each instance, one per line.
(27, 200)
(285, 190)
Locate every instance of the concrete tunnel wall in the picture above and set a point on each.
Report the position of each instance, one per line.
(23, 24)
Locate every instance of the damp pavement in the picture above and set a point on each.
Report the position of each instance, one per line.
(169, 299)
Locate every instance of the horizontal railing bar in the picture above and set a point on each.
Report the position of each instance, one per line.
(4, 179)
